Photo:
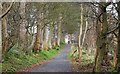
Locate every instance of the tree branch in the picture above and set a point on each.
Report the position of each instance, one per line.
(115, 34)
(114, 29)
(5, 13)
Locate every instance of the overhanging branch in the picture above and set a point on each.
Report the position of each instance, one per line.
(5, 13)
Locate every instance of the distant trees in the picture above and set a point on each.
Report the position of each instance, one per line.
(33, 26)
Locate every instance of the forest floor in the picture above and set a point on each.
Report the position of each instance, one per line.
(58, 64)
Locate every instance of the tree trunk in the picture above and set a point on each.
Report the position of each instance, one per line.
(5, 43)
(118, 46)
(45, 38)
(114, 58)
(50, 37)
(37, 40)
(85, 33)
(118, 51)
(22, 26)
(101, 28)
(54, 37)
(59, 30)
(4, 35)
(80, 35)
(0, 33)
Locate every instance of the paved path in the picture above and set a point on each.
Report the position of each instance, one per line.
(59, 64)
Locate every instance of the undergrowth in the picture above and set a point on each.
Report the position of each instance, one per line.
(87, 61)
(16, 59)
(85, 58)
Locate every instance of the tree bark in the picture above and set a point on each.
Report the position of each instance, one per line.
(54, 37)
(85, 33)
(114, 58)
(5, 38)
(22, 31)
(80, 35)
(50, 37)
(45, 38)
(4, 35)
(59, 30)
(0, 33)
(37, 40)
(102, 28)
(118, 46)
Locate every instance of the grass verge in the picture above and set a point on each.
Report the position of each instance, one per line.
(16, 59)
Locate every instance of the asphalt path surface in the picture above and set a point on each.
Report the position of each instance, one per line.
(58, 64)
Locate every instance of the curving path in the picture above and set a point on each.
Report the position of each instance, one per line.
(59, 64)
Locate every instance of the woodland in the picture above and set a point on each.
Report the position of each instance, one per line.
(31, 32)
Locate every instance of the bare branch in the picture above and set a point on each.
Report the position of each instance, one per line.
(115, 34)
(2, 15)
(114, 29)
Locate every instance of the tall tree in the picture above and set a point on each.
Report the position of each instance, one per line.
(37, 40)
(59, 29)
(118, 46)
(102, 28)
(80, 33)
(0, 33)
(22, 29)
(4, 32)
(50, 37)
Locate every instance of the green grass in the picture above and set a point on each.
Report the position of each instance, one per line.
(16, 59)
